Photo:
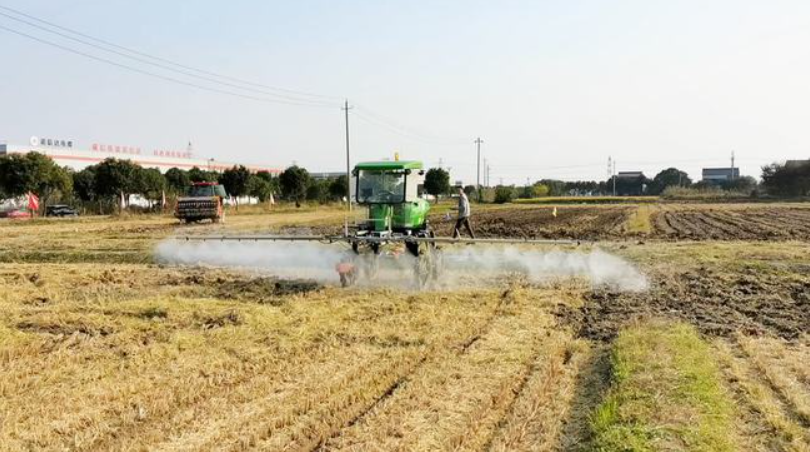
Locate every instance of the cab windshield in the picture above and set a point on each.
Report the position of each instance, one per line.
(200, 191)
(381, 187)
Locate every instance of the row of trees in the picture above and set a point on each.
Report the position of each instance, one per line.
(437, 183)
(626, 186)
(104, 184)
(33, 172)
(789, 179)
(642, 185)
(108, 182)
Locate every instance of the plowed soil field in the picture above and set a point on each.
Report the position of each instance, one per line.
(582, 223)
(728, 223)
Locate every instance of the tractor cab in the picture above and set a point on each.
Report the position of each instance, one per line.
(392, 191)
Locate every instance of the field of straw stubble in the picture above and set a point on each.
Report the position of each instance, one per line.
(102, 348)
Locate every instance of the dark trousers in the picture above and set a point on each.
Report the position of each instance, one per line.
(466, 222)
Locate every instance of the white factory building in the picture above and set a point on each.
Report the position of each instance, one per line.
(67, 153)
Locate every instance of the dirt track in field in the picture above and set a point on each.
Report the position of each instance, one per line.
(724, 223)
(579, 223)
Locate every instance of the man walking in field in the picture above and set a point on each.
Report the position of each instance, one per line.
(463, 214)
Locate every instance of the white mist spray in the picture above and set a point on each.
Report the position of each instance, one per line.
(461, 266)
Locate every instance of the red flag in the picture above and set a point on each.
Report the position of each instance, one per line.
(33, 202)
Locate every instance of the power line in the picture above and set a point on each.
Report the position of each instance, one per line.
(403, 133)
(160, 76)
(167, 67)
(125, 52)
(394, 126)
(289, 97)
(146, 55)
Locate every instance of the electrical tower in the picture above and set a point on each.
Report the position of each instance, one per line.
(487, 175)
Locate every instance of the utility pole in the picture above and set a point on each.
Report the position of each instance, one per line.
(485, 171)
(614, 178)
(478, 142)
(346, 109)
(732, 165)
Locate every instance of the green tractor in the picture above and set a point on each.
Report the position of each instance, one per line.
(397, 217)
(392, 192)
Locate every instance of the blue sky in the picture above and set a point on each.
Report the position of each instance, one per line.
(553, 88)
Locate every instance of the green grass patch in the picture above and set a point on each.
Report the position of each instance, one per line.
(666, 394)
(589, 200)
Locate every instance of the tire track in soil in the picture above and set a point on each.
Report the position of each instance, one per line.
(124, 428)
(506, 388)
(662, 224)
(801, 223)
(462, 348)
(211, 400)
(799, 220)
(711, 229)
(769, 423)
(745, 224)
(302, 437)
(772, 229)
(680, 229)
(802, 215)
(686, 222)
(737, 230)
(550, 410)
(529, 370)
(715, 227)
(134, 434)
(592, 382)
(659, 224)
(786, 400)
(747, 228)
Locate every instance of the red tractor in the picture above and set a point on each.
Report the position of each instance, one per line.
(204, 201)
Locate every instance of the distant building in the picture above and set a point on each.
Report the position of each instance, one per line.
(65, 153)
(719, 175)
(630, 183)
(796, 163)
(324, 176)
(630, 175)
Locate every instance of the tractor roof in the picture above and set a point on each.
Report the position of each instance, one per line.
(390, 165)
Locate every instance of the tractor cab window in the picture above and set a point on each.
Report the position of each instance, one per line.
(381, 187)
